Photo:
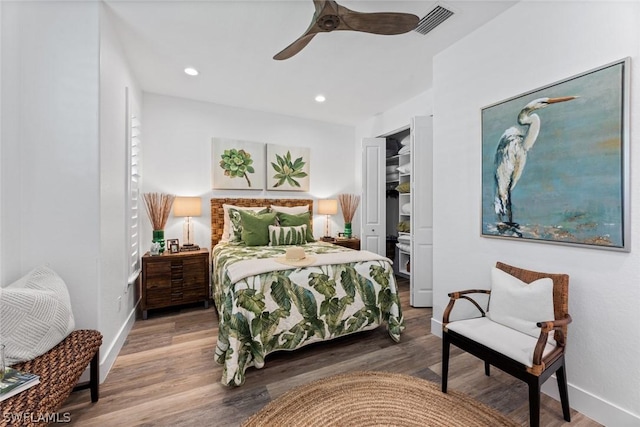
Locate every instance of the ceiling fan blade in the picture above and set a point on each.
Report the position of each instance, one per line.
(330, 16)
(295, 47)
(385, 23)
(305, 38)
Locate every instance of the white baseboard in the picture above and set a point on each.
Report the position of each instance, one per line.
(594, 407)
(436, 327)
(108, 356)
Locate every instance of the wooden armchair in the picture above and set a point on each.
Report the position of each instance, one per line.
(493, 342)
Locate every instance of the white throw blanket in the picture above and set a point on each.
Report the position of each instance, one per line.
(251, 267)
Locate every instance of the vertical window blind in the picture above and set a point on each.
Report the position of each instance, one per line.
(133, 193)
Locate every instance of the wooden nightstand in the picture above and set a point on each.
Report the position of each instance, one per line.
(352, 243)
(174, 279)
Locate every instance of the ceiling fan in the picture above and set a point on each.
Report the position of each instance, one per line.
(330, 16)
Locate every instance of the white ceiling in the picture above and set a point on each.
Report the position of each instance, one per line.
(232, 44)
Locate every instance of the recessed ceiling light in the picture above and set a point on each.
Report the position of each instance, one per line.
(191, 71)
(320, 98)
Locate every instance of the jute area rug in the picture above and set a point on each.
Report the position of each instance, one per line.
(375, 399)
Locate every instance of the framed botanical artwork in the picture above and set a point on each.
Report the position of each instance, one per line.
(287, 168)
(237, 165)
(555, 162)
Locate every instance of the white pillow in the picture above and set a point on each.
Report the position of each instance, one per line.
(406, 168)
(406, 149)
(406, 208)
(226, 227)
(518, 305)
(406, 140)
(293, 210)
(35, 315)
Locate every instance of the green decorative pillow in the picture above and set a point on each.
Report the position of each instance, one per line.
(291, 220)
(287, 235)
(235, 232)
(255, 227)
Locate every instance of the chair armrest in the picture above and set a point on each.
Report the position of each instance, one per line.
(546, 327)
(555, 324)
(454, 296)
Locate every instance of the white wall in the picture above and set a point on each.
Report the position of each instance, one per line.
(533, 44)
(176, 149)
(50, 174)
(117, 299)
(63, 158)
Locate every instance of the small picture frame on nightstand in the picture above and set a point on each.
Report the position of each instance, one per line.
(173, 245)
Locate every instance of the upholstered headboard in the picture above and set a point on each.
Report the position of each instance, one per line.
(217, 213)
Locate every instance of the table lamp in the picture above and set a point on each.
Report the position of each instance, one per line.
(187, 207)
(327, 207)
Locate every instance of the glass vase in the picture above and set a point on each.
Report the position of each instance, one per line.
(2, 367)
(347, 230)
(158, 237)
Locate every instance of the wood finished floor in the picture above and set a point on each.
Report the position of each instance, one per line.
(165, 374)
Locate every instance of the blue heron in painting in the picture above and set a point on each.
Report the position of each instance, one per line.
(511, 156)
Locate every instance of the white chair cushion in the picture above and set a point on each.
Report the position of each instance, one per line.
(35, 315)
(518, 305)
(513, 344)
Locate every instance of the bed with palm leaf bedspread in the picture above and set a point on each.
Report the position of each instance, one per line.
(265, 306)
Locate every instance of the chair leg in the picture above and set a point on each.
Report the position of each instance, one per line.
(445, 361)
(534, 403)
(487, 368)
(94, 377)
(564, 394)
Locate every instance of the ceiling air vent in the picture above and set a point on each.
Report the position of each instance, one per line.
(434, 18)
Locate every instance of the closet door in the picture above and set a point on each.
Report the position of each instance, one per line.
(422, 212)
(373, 236)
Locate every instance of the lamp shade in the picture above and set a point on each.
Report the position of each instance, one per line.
(328, 207)
(187, 206)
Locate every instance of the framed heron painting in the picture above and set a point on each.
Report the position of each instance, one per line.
(555, 162)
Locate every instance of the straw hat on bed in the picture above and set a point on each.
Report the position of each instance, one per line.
(296, 257)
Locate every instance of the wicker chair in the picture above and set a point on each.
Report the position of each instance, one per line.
(59, 369)
(545, 362)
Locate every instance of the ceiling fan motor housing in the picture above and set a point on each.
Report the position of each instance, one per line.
(328, 22)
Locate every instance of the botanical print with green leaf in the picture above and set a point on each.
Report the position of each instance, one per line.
(287, 168)
(237, 164)
(288, 309)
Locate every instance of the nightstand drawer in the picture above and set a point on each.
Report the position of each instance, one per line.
(173, 279)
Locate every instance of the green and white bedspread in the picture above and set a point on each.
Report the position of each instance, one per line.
(265, 306)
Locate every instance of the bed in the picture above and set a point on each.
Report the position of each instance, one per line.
(266, 306)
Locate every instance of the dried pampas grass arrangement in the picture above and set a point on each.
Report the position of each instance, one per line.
(348, 204)
(158, 208)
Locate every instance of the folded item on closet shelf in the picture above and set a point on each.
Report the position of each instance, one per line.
(404, 238)
(406, 248)
(406, 208)
(404, 227)
(406, 168)
(405, 140)
(391, 168)
(406, 149)
(405, 187)
(392, 176)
